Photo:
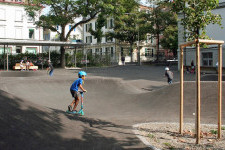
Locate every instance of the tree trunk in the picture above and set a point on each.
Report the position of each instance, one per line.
(62, 49)
(157, 47)
(131, 52)
(62, 59)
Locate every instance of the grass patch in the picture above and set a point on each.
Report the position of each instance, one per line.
(151, 136)
(223, 128)
(170, 146)
(213, 131)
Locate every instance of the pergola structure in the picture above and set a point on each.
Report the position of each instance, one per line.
(197, 42)
(36, 43)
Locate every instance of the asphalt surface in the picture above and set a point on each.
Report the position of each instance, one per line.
(33, 105)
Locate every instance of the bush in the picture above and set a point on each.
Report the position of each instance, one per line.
(41, 59)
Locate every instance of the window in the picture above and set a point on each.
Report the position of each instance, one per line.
(18, 33)
(121, 51)
(88, 27)
(2, 31)
(97, 51)
(147, 52)
(100, 51)
(112, 51)
(108, 39)
(107, 49)
(109, 24)
(6, 50)
(95, 25)
(207, 59)
(89, 39)
(31, 50)
(18, 49)
(31, 33)
(30, 19)
(19, 17)
(2, 12)
(70, 26)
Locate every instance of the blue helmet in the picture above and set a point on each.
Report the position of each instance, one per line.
(81, 73)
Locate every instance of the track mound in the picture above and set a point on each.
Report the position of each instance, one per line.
(21, 74)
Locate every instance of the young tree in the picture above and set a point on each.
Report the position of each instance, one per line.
(160, 18)
(64, 12)
(170, 39)
(197, 16)
(127, 25)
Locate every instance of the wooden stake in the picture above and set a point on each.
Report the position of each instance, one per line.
(181, 89)
(219, 89)
(198, 98)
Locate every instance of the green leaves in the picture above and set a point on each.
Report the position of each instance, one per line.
(197, 15)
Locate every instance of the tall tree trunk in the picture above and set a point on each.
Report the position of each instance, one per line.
(157, 47)
(131, 51)
(62, 48)
(62, 59)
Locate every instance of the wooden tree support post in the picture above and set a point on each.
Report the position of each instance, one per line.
(198, 88)
(181, 89)
(219, 89)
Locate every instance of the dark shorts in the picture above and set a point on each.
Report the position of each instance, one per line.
(169, 80)
(74, 94)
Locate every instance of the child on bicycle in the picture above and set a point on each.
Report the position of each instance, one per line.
(74, 91)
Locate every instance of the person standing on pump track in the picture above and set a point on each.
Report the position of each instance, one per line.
(74, 91)
(169, 75)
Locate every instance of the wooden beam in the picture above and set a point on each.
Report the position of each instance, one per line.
(219, 89)
(181, 89)
(188, 43)
(210, 42)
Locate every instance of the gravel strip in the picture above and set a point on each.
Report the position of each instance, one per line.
(166, 136)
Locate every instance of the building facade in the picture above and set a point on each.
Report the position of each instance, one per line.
(15, 24)
(115, 48)
(75, 36)
(208, 56)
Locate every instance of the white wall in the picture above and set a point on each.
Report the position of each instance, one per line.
(15, 24)
(214, 31)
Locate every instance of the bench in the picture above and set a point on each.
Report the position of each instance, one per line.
(31, 67)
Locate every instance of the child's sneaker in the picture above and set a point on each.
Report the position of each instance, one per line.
(74, 112)
(69, 108)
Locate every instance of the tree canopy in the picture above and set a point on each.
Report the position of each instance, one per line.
(197, 15)
(64, 12)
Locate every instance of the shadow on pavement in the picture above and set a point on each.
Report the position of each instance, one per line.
(28, 127)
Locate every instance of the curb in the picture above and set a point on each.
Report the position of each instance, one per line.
(142, 138)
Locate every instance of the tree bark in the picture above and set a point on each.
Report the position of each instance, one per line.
(62, 48)
(131, 51)
(62, 59)
(157, 47)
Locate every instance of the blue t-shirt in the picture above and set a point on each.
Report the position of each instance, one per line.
(76, 84)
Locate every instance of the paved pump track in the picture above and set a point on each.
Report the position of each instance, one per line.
(33, 107)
